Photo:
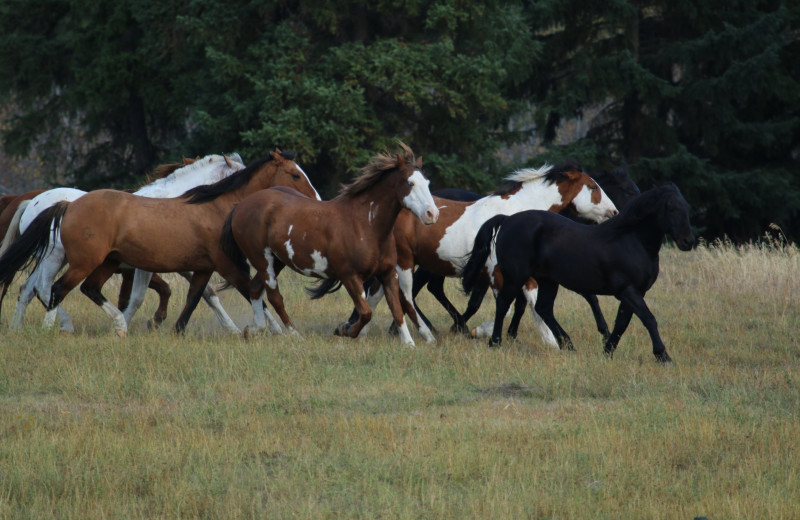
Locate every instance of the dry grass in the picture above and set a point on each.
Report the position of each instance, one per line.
(217, 427)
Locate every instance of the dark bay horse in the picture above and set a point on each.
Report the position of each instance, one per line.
(151, 234)
(441, 249)
(342, 241)
(618, 257)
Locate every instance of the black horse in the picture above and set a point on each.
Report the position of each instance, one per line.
(619, 187)
(618, 257)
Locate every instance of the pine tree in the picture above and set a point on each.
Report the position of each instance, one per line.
(704, 94)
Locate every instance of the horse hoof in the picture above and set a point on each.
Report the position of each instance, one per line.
(473, 333)
(664, 358)
(342, 330)
(393, 330)
(246, 333)
(121, 334)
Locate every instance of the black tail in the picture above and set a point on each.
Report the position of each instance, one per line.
(480, 252)
(323, 287)
(31, 246)
(231, 249)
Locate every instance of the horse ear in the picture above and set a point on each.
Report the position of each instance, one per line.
(187, 161)
(401, 163)
(228, 161)
(419, 162)
(573, 175)
(277, 155)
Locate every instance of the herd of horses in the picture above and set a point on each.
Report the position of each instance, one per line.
(384, 236)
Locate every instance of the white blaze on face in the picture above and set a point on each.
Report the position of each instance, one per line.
(599, 212)
(309, 182)
(420, 200)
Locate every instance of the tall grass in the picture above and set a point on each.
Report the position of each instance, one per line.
(213, 426)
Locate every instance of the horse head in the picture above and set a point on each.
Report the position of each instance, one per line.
(673, 217)
(416, 192)
(289, 174)
(617, 184)
(583, 194)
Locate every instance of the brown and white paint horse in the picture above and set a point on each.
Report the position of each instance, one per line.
(348, 239)
(156, 235)
(442, 249)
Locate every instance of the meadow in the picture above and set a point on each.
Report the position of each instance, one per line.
(214, 426)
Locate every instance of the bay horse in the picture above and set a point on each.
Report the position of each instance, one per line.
(167, 180)
(442, 248)
(152, 234)
(618, 257)
(342, 241)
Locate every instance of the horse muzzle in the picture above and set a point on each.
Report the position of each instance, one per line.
(685, 242)
(430, 217)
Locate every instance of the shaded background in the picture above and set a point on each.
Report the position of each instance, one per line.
(94, 93)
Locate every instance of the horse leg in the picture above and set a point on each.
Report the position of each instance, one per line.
(26, 293)
(91, 288)
(502, 303)
(530, 291)
(624, 315)
(212, 300)
(519, 310)
(125, 288)
(196, 286)
(597, 312)
(161, 287)
(141, 279)
(42, 281)
(422, 278)
(635, 302)
(436, 288)
(548, 290)
(374, 291)
(355, 289)
(405, 280)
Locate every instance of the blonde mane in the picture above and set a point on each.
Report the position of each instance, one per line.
(375, 168)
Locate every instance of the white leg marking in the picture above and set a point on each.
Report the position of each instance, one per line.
(141, 279)
(547, 335)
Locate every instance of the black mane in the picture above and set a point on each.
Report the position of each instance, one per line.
(209, 192)
(644, 205)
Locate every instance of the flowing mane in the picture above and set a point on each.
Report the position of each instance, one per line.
(373, 172)
(172, 172)
(209, 192)
(549, 173)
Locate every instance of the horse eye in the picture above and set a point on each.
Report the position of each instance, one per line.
(411, 183)
(295, 177)
(592, 188)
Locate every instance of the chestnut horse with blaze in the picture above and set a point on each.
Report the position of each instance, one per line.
(347, 239)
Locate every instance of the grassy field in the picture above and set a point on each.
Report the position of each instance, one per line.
(212, 426)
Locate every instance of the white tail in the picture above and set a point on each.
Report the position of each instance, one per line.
(13, 228)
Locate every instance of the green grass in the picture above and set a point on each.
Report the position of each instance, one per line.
(212, 426)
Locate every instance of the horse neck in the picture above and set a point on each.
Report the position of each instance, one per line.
(534, 194)
(645, 228)
(186, 178)
(378, 207)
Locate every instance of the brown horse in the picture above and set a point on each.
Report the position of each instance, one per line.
(156, 235)
(442, 249)
(12, 213)
(342, 241)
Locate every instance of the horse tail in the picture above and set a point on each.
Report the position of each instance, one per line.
(480, 252)
(323, 287)
(232, 250)
(12, 233)
(31, 246)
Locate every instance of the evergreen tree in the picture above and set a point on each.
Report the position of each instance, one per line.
(704, 94)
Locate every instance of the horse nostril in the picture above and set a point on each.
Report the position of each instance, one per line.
(431, 215)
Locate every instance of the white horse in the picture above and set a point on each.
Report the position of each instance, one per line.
(207, 170)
